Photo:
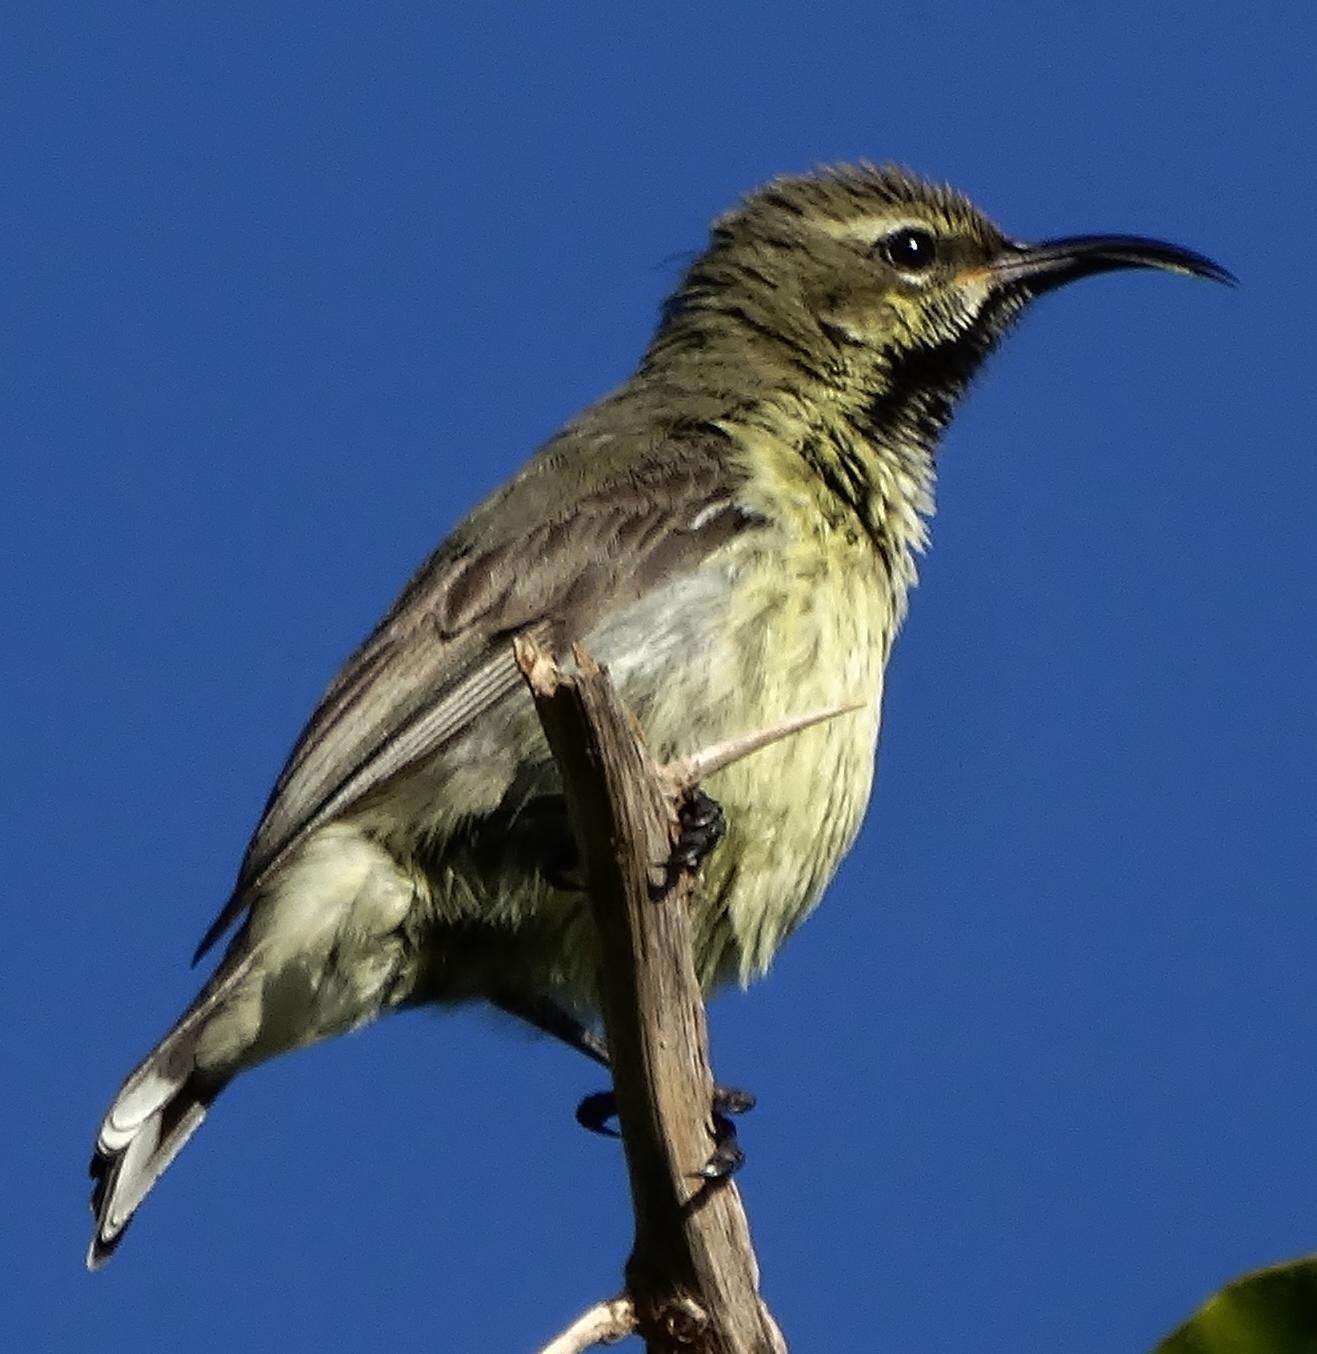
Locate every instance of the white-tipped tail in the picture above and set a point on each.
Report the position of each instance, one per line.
(321, 953)
(156, 1111)
(124, 1177)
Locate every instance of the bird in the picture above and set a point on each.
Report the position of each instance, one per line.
(733, 533)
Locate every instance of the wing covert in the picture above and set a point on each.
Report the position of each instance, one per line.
(443, 655)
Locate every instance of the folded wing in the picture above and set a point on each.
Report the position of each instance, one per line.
(550, 554)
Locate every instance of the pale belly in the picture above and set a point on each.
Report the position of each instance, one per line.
(799, 637)
(439, 890)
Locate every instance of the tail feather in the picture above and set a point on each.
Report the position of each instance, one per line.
(156, 1111)
(123, 1180)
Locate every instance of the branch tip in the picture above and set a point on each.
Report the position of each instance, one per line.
(604, 1324)
(689, 771)
(537, 665)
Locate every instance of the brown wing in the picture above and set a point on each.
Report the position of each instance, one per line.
(550, 554)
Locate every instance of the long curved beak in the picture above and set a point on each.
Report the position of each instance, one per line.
(1053, 263)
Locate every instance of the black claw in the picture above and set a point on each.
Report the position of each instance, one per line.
(703, 826)
(730, 1100)
(595, 1111)
(725, 1160)
(727, 1157)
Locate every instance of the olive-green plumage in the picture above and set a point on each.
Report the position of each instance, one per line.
(733, 534)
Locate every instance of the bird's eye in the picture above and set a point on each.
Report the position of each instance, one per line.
(910, 249)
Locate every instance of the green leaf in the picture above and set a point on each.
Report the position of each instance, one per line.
(1273, 1311)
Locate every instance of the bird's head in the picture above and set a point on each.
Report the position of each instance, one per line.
(870, 277)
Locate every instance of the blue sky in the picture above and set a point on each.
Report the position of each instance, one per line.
(286, 289)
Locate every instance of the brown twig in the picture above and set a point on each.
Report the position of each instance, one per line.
(692, 1275)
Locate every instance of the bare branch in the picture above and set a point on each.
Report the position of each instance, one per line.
(692, 1274)
(687, 772)
(604, 1324)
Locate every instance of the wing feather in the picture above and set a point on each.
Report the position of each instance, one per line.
(443, 655)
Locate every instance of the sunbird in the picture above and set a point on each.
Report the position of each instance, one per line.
(733, 534)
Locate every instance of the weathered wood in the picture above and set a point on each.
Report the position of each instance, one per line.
(604, 1324)
(692, 1275)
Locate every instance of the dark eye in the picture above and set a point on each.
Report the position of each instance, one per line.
(910, 249)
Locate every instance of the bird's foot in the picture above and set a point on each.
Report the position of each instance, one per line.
(703, 825)
(727, 1156)
(726, 1159)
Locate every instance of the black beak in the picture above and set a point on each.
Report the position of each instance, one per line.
(1053, 263)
